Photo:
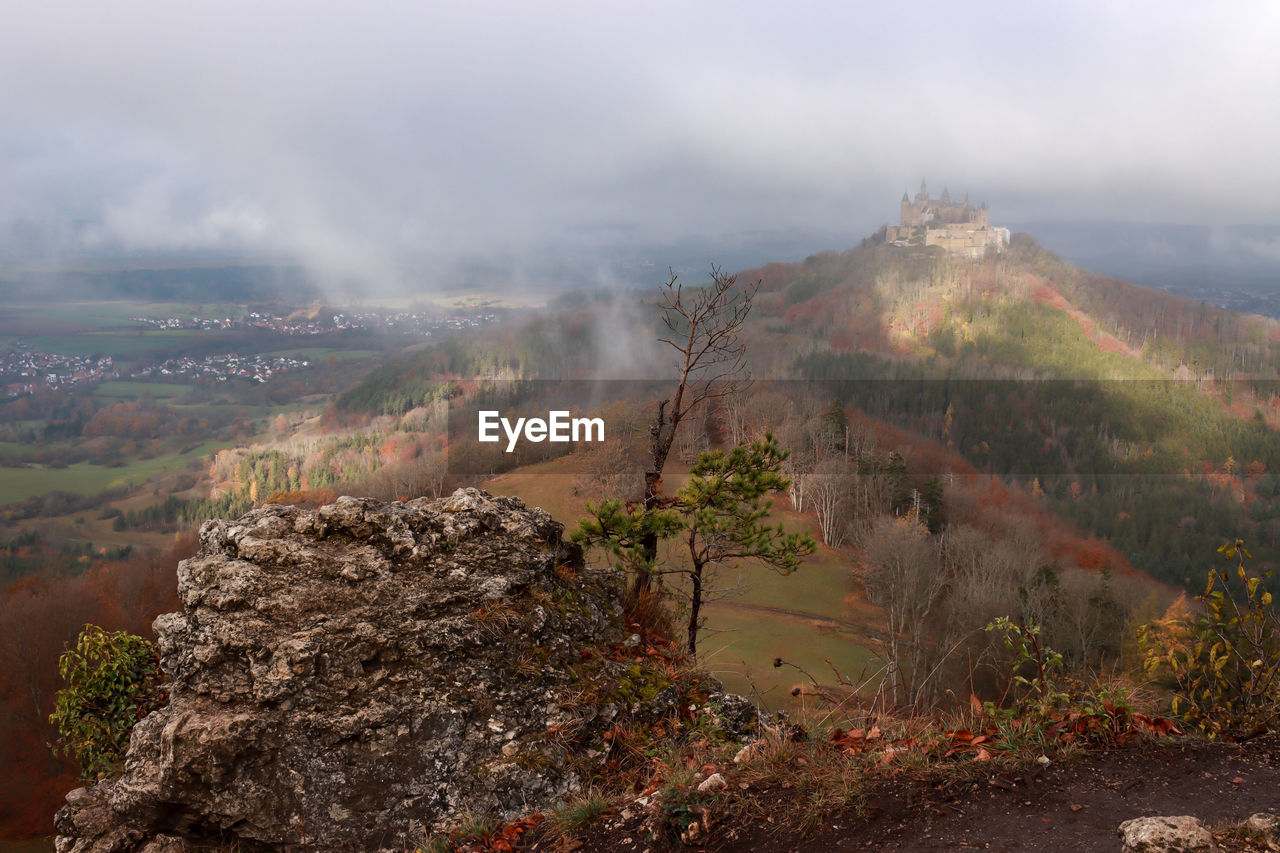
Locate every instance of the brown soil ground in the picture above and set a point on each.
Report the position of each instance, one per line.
(1073, 805)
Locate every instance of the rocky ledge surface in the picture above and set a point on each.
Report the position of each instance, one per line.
(353, 677)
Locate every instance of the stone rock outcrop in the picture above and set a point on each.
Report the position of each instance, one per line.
(1265, 827)
(1182, 834)
(350, 678)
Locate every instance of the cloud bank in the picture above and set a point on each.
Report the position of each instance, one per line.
(375, 143)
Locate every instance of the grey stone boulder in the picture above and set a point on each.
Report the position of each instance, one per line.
(357, 676)
(1182, 834)
(1265, 827)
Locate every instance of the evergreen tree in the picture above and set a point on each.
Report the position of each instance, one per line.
(720, 516)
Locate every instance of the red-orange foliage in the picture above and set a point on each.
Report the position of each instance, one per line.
(399, 447)
(39, 618)
(140, 420)
(774, 276)
(988, 503)
(312, 499)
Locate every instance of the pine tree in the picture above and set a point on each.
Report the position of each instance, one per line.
(724, 507)
(719, 515)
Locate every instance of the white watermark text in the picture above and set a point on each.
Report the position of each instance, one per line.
(557, 427)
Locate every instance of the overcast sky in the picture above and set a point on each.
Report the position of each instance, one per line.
(364, 139)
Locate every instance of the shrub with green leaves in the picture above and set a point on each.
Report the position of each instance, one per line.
(1223, 661)
(113, 680)
(720, 515)
(1032, 669)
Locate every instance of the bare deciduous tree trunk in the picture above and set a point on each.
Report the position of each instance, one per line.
(829, 488)
(705, 330)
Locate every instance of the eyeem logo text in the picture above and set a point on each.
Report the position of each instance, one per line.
(557, 427)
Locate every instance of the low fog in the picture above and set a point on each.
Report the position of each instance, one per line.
(409, 146)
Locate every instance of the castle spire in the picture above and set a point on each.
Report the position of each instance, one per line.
(905, 199)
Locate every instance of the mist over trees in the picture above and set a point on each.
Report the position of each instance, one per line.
(964, 439)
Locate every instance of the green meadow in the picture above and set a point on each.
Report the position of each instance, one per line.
(121, 345)
(106, 315)
(320, 355)
(128, 390)
(85, 479)
(13, 448)
(741, 641)
(812, 616)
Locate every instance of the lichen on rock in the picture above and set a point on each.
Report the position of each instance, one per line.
(1181, 834)
(353, 677)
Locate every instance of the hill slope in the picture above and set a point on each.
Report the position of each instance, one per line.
(1144, 417)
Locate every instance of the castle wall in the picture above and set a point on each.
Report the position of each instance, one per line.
(959, 228)
(967, 240)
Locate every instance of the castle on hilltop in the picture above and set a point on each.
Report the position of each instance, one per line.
(958, 227)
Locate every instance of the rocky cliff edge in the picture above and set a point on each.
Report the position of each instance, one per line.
(354, 677)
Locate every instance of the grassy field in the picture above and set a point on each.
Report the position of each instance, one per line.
(322, 354)
(126, 390)
(741, 641)
(112, 314)
(529, 297)
(13, 448)
(121, 345)
(548, 486)
(812, 616)
(84, 479)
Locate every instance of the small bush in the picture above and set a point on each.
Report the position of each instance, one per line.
(1224, 661)
(113, 680)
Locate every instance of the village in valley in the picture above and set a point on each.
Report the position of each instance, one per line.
(30, 370)
(401, 322)
(27, 368)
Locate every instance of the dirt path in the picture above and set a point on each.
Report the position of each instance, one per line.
(1078, 805)
(1073, 805)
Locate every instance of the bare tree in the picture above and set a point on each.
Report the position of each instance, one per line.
(985, 576)
(800, 464)
(829, 489)
(424, 476)
(735, 409)
(704, 327)
(693, 439)
(903, 578)
(610, 470)
(800, 432)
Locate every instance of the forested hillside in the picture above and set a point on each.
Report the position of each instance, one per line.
(968, 441)
(1147, 419)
